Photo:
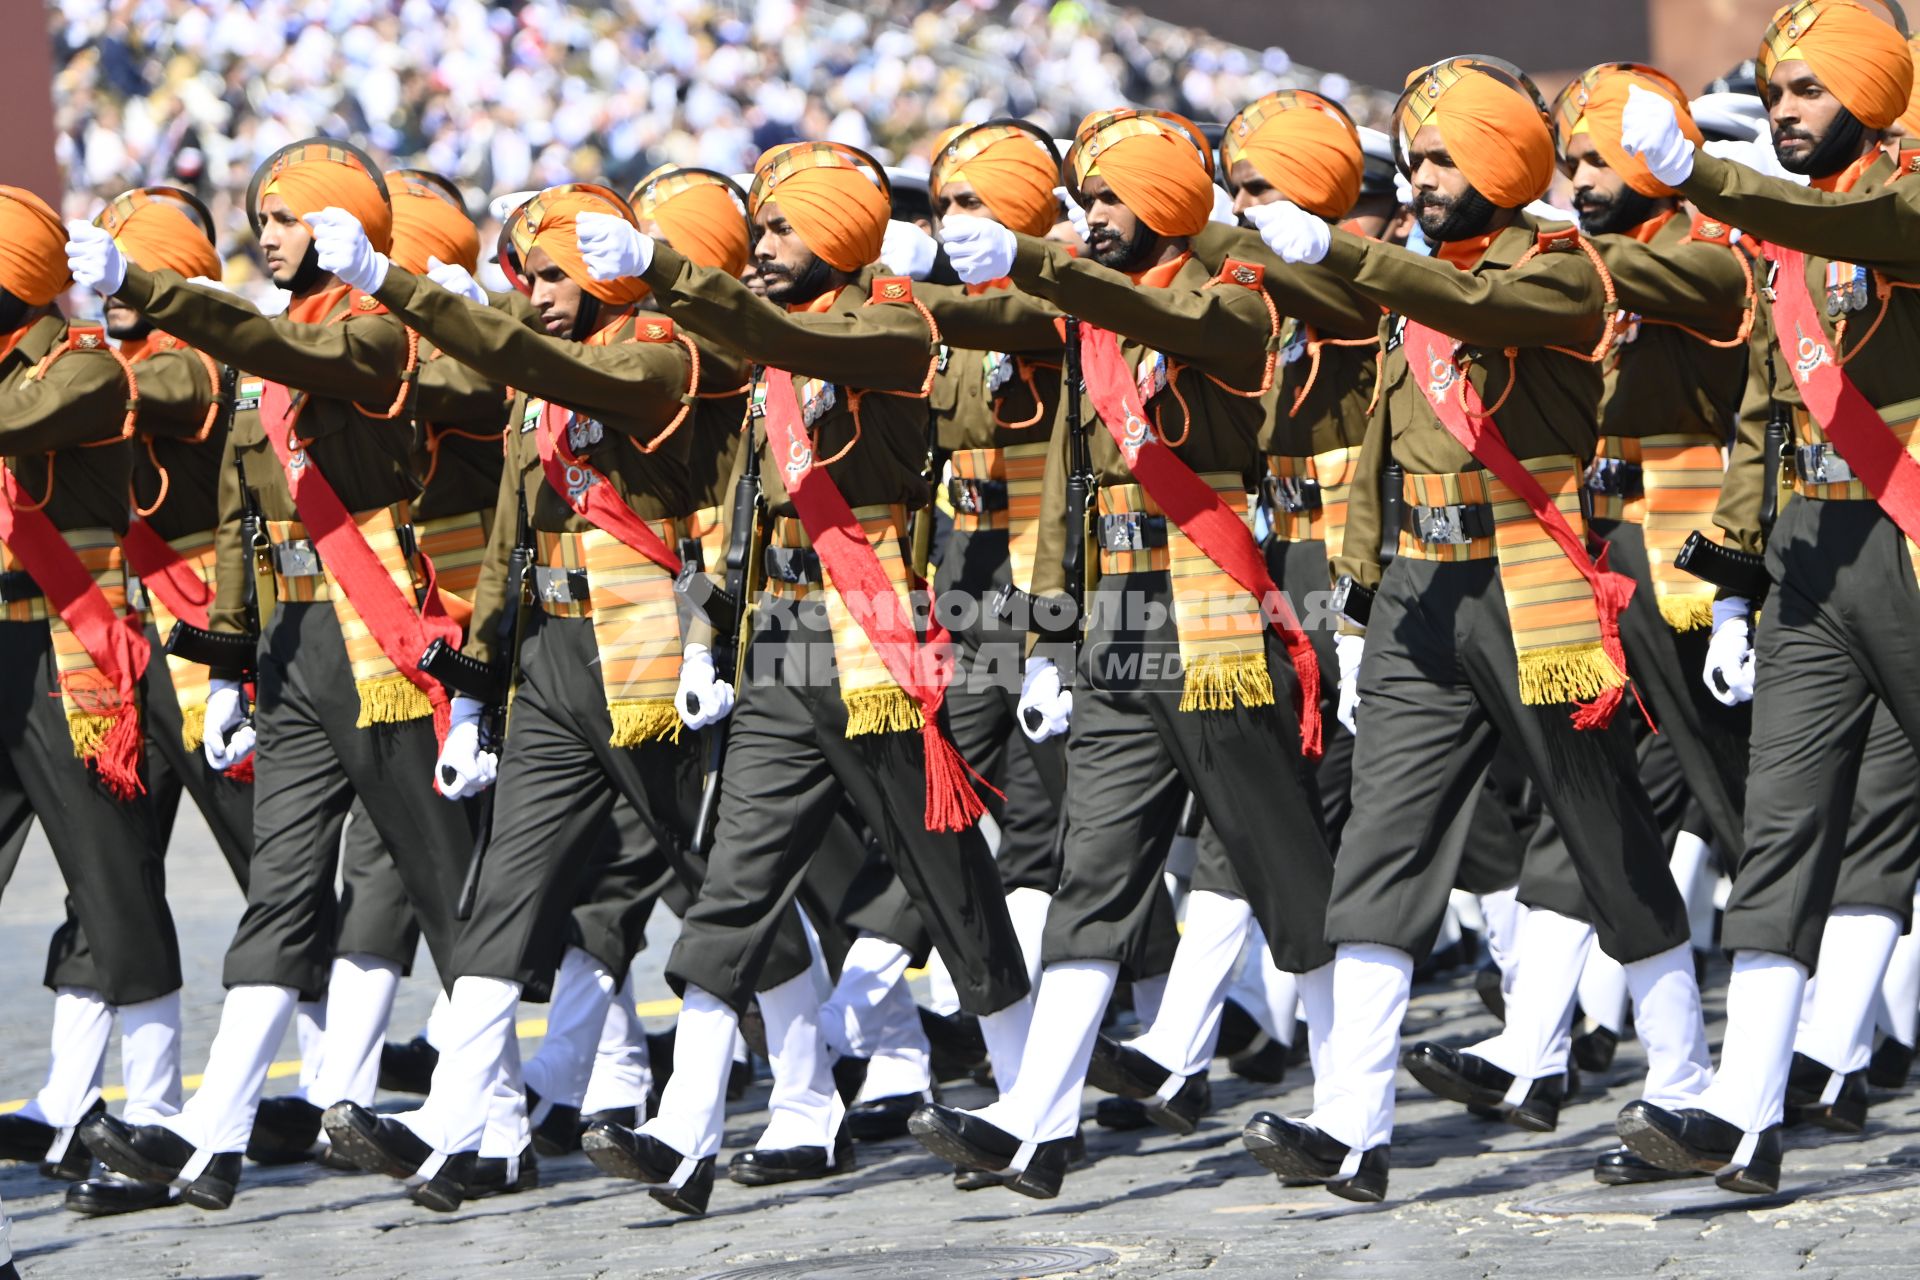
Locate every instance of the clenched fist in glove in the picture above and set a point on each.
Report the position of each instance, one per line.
(1046, 706)
(228, 736)
(1348, 649)
(1650, 129)
(1291, 232)
(465, 768)
(94, 260)
(1075, 214)
(1729, 673)
(612, 247)
(704, 698)
(980, 249)
(908, 251)
(455, 278)
(341, 248)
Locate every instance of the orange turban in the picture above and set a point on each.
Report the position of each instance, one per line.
(697, 212)
(33, 248)
(1592, 105)
(1856, 54)
(827, 194)
(1910, 120)
(1009, 168)
(312, 176)
(1304, 145)
(426, 224)
(547, 223)
(1157, 163)
(1492, 128)
(158, 233)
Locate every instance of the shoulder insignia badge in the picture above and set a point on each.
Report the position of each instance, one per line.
(1563, 240)
(88, 341)
(1705, 228)
(365, 302)
(892, 289)
(1249, 275)
(655, 331)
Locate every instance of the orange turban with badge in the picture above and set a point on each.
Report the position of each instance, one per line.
(1009, 168)
(831, 199)
(159, 234)
(1302, 144)
(318, 176)
(33, 248)
(426, 224)
(1857, 54)
(1154, 162)
(548, 224)
(1592, 106)
(1491, 128)
(698, 213)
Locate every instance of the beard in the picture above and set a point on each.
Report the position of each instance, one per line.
(1444, 218)
(305, 275)
(785, 287)
(1610, 215)
(586, 321)
(138, 327)
(1128, 254)
(13, 311)
(1841, 146)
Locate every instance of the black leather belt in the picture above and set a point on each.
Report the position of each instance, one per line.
(1459, 523)
(1295, 495)
(17, 585)
(1821, 464)
(1616, 478)
(561, 586)
(1132, 531)
(976, 497)
(798, 565)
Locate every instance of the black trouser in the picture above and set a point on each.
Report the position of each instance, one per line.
(1438, 689)
(851, 889)
(376, 919)
(1130, 750)
(981, 707)
(1839, 639)
(109, 850)
(1708, 740)
(560, 780)
(309, 765)
(789, 762)
(1300, 570)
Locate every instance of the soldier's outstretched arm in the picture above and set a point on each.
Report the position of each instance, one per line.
(1880, 229)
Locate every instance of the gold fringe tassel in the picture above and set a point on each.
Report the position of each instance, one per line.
(1693, 612)
(89, 733)
(882, 709)
(390, 699)
(635, 723)
(193, 726)
(1219, 682)
(1567, 673)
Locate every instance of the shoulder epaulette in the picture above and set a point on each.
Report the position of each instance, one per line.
(165, 342)
(80, 337)
(1250, 275)
(364, 304)
(653, 329)
(1710, 230)
(1563, 240)
(892, 289)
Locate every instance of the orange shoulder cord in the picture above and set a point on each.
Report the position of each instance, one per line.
(409, 375)
(1609, 332)
(1174, 370)
(1314, 346)
(926, 383)
(198, 437)
(1883, 287)
(1739, 339)
(126, 423)
(687, 401)
(1026, 368)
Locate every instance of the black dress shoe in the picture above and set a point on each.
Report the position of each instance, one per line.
(1620, 1167)
(74, 1163)
(963, 1139)
(1124, 1071)
(1487, 981)
(739, 1079)
(1891, 1064)
(1594, 1051)
(1298, 1152)
(374, 1142)
(327, 1158)
(628, 1116)
(408, 1067)
(958, 1046)
(1265, 1061)
(558, 1132)
(1046, 1169)
(215, 1187)
(1475, 1082)
(625, 1152)
(1807, 1080)
(1238, 1030)
(106, 1194)
(976, 1179)
(147, 1152)
(882, 1119)
(284, 1131)
(490, 1175)
(849, 1077)
(447, 1188)
(1691, 1138)
(25, 1139)
(1181, 1114)
(1120, 1114)
(766, 1167)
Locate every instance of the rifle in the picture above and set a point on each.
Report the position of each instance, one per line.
(223, 650)
(1742, 572)
(488, 683)
(1077, 558)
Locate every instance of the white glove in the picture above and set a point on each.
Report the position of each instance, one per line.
(1223, 208)
(1348, 649)
(908, 251)
(228, 736)
(703, 698)
(341, 248)
(1729, 673)
(1075, 214)
(979, 248)
(612, 247)
(1290, 231)
(1045, 706)
(1650, 129)
(94, 259)
(464, 769)
(455, 278)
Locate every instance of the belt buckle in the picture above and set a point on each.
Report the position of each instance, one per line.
(1441, 524)
(1125, 531)
(1603, 475)
(1294, 494)
(1821, 464)
(554, 586)
(296, 558)
(964, 497)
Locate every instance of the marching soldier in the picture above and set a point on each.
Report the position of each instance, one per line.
(322, 486)
(1491, 622)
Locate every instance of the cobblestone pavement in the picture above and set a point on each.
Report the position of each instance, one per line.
(1468, 1198)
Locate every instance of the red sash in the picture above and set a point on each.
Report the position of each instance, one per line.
(591, 496)
(402, 632)
(1193, 505)
(115, 642)
(1430, 362)
(920, 668)
(1843, 411)
(164, 573)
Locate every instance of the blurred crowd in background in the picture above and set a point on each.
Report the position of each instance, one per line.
(505, 96)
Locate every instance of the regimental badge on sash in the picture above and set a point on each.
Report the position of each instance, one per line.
(246, 394)
(998, 368)
(584, 433)
(1152, 375)
(1846, 288)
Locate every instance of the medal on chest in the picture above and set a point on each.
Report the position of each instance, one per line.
(1151, 376)
(1628, 327)
(583, 433)
(1296, 344)
(997, 366)
(1846, 288)
(816, 400)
